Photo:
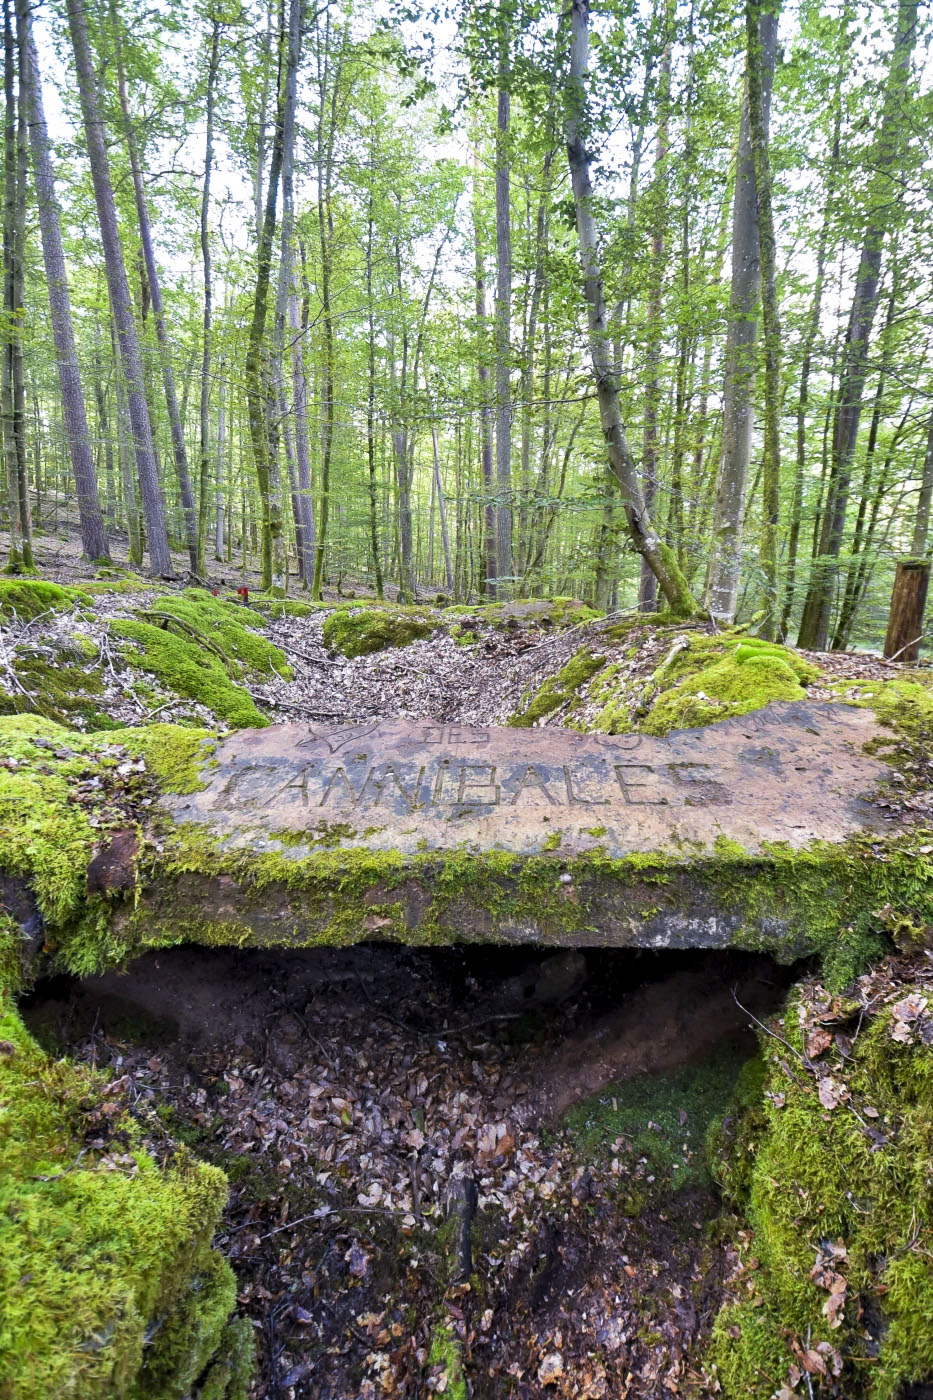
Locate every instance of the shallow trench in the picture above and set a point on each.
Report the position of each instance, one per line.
(350, 1093)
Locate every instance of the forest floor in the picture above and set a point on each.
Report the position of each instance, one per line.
(345, 1092)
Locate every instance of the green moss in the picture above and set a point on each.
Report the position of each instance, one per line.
(66, 689)
(681, 1106)
(805, 1175)
(185, 668)
(524, 613)
(445, 1351)
(719, 691)
(27, 598)
(559, 689)
(175, 756)
(358, 631)
(109, 1283)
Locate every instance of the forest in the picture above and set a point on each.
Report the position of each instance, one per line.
(629, 303)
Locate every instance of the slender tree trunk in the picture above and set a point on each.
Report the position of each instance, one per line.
(220, 523)
(761, 45)
(298, 331)
(10, 308)
(158, 310)
(325, 161)
(485, 411)
(814, 626)
(648, 584)
(19, 302)
(150, 489)
(286, 304)
(256, 368)
(204, 474)
(738, 404)
(504, 582)
(371, 387)
(921, 535)
(642, 531)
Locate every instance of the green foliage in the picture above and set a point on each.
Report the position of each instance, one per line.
(109, 1283)
(358, 631)
(214, 645)
(559, 689)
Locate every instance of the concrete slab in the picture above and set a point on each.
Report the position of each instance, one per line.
(792, 773)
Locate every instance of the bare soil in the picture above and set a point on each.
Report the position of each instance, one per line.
(344, 1089)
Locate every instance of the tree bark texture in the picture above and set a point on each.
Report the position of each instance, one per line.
(642, 531)
(120, 302)
(739, 382)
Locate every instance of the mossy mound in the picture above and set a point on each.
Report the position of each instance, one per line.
(60, 684)
(829, 1156)
(110, 1286)
(524, 612)
(27, 598)
(200, 647)
(558, 690)
(705, 678)
(356, 631)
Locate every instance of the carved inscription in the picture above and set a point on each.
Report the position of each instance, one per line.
(792, 772)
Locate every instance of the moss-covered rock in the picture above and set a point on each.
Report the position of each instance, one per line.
(27, 598)
(109, 1283)
(201, 647)
(559, 689)
(831, 1163)
(356, 631)
(523, 613)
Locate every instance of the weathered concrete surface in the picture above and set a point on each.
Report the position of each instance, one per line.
(791, 773)
(734, 834)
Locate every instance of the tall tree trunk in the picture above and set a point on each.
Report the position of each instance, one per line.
(286, 304)
(273, 560)
(761, 44)
(643, 534)
(921, 535)
(204, 474)
(220, 523)
(814, 626)
(648, 584)
(10, 307)
(504, 581)
(485, 411)
(158, 310)
(371, 384)
(19, 302)
(118, 287)
(325, 163)
(738, 403)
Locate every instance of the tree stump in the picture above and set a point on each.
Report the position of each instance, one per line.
(908, 601)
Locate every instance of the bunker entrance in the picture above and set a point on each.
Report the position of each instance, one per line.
(461, 1165)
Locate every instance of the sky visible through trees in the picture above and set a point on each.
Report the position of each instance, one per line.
(491, 300)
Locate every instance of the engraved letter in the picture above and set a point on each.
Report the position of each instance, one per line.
(626, 772)
(479, 790)
(533, 778)
(575, 798)
(347, 794)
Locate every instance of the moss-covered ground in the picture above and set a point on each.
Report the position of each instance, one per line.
(358, 631)
(828, 1156)
(108, 1281)
(204, 648)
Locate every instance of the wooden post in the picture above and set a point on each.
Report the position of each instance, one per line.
(908, 600)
